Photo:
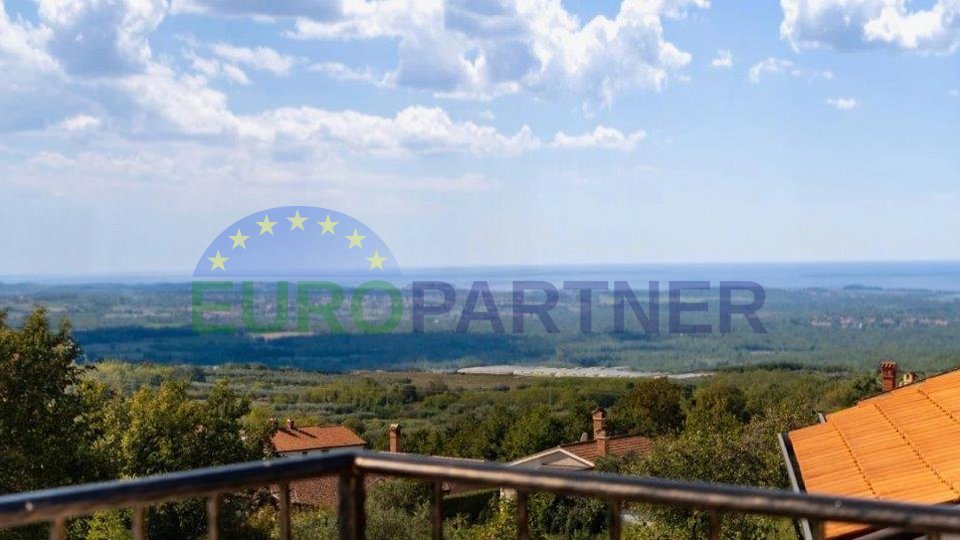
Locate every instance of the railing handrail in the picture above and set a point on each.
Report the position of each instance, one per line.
(37, 506)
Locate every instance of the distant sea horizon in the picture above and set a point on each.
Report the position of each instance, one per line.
(895, 275)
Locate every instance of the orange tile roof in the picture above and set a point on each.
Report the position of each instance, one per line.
(301, 439)
(619, 446)
(900, 445)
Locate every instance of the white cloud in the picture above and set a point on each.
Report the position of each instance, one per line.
(854, 24)
(724, 59)
(212, 68)
(185, 103)
(314, 9)
(342, 72)
(843, 104)
(98, 37)
(412, 130)
(772, 66)
(600, 137)
(262, 58)
(466, 49)
(22, 52)
(79, 122)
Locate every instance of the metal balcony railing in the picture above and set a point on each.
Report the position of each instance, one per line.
(58, 505)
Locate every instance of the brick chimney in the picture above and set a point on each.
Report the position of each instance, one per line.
(599, 421)
(394, 438)
(600, 431)
(291, 425)
(888, 375)
(603, 443)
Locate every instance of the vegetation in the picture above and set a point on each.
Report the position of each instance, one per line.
(65, 421)
(850, 327)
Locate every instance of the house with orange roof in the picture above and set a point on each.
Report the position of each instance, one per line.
(900, 445)
(293, 440)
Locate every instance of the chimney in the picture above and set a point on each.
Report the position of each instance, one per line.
(603, 443)
(888, 374)
(290, 425)
(599, 421)
(394, 438)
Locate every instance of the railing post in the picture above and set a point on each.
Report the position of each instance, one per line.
(213, 517)
(818, 530)
(284, 517)
(436, 510)
(352, 515)
(615, 519)
(523, 519)
(58, 529)
(138, 529)
(716, 525)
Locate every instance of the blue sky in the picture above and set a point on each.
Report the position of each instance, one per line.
(481, 132)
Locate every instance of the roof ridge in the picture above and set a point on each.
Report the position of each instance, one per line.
(915, 451)
(593, 441)
(856, 462)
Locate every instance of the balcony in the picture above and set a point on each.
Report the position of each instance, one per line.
(56, 506)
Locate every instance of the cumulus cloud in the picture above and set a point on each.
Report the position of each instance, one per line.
(772, 66)
(600, 137)
(342, 72)
(22, 51)
(724, 59)
(843, 104)
(473, 49)
(855, 24)
(261, 58)
(781, 67)
(79, 122)
(101, 37)
(413, 129)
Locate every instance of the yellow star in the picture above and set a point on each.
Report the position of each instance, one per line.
(328, 226)
(376, 261)
(296, 222)
(239, 240)
(266, 226)
(356, 240)
(218, 262)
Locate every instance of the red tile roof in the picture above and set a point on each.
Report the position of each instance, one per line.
(618, 446)
(899, 445)
(302, 439)
(325, 490)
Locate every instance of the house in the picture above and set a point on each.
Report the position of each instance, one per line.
(901, 445)
(293, 440)
(583, 455)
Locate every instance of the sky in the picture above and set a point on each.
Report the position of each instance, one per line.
(481, 132)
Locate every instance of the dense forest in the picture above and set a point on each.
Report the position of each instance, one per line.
(850, 327)
(66, 419)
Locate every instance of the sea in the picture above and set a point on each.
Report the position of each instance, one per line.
(905, 275)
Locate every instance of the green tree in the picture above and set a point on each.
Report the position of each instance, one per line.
(717, 403)
(39, 429)
(534, 430)
(168, 431)
(654, 407)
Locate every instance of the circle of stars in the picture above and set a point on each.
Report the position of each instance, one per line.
(355, 240)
